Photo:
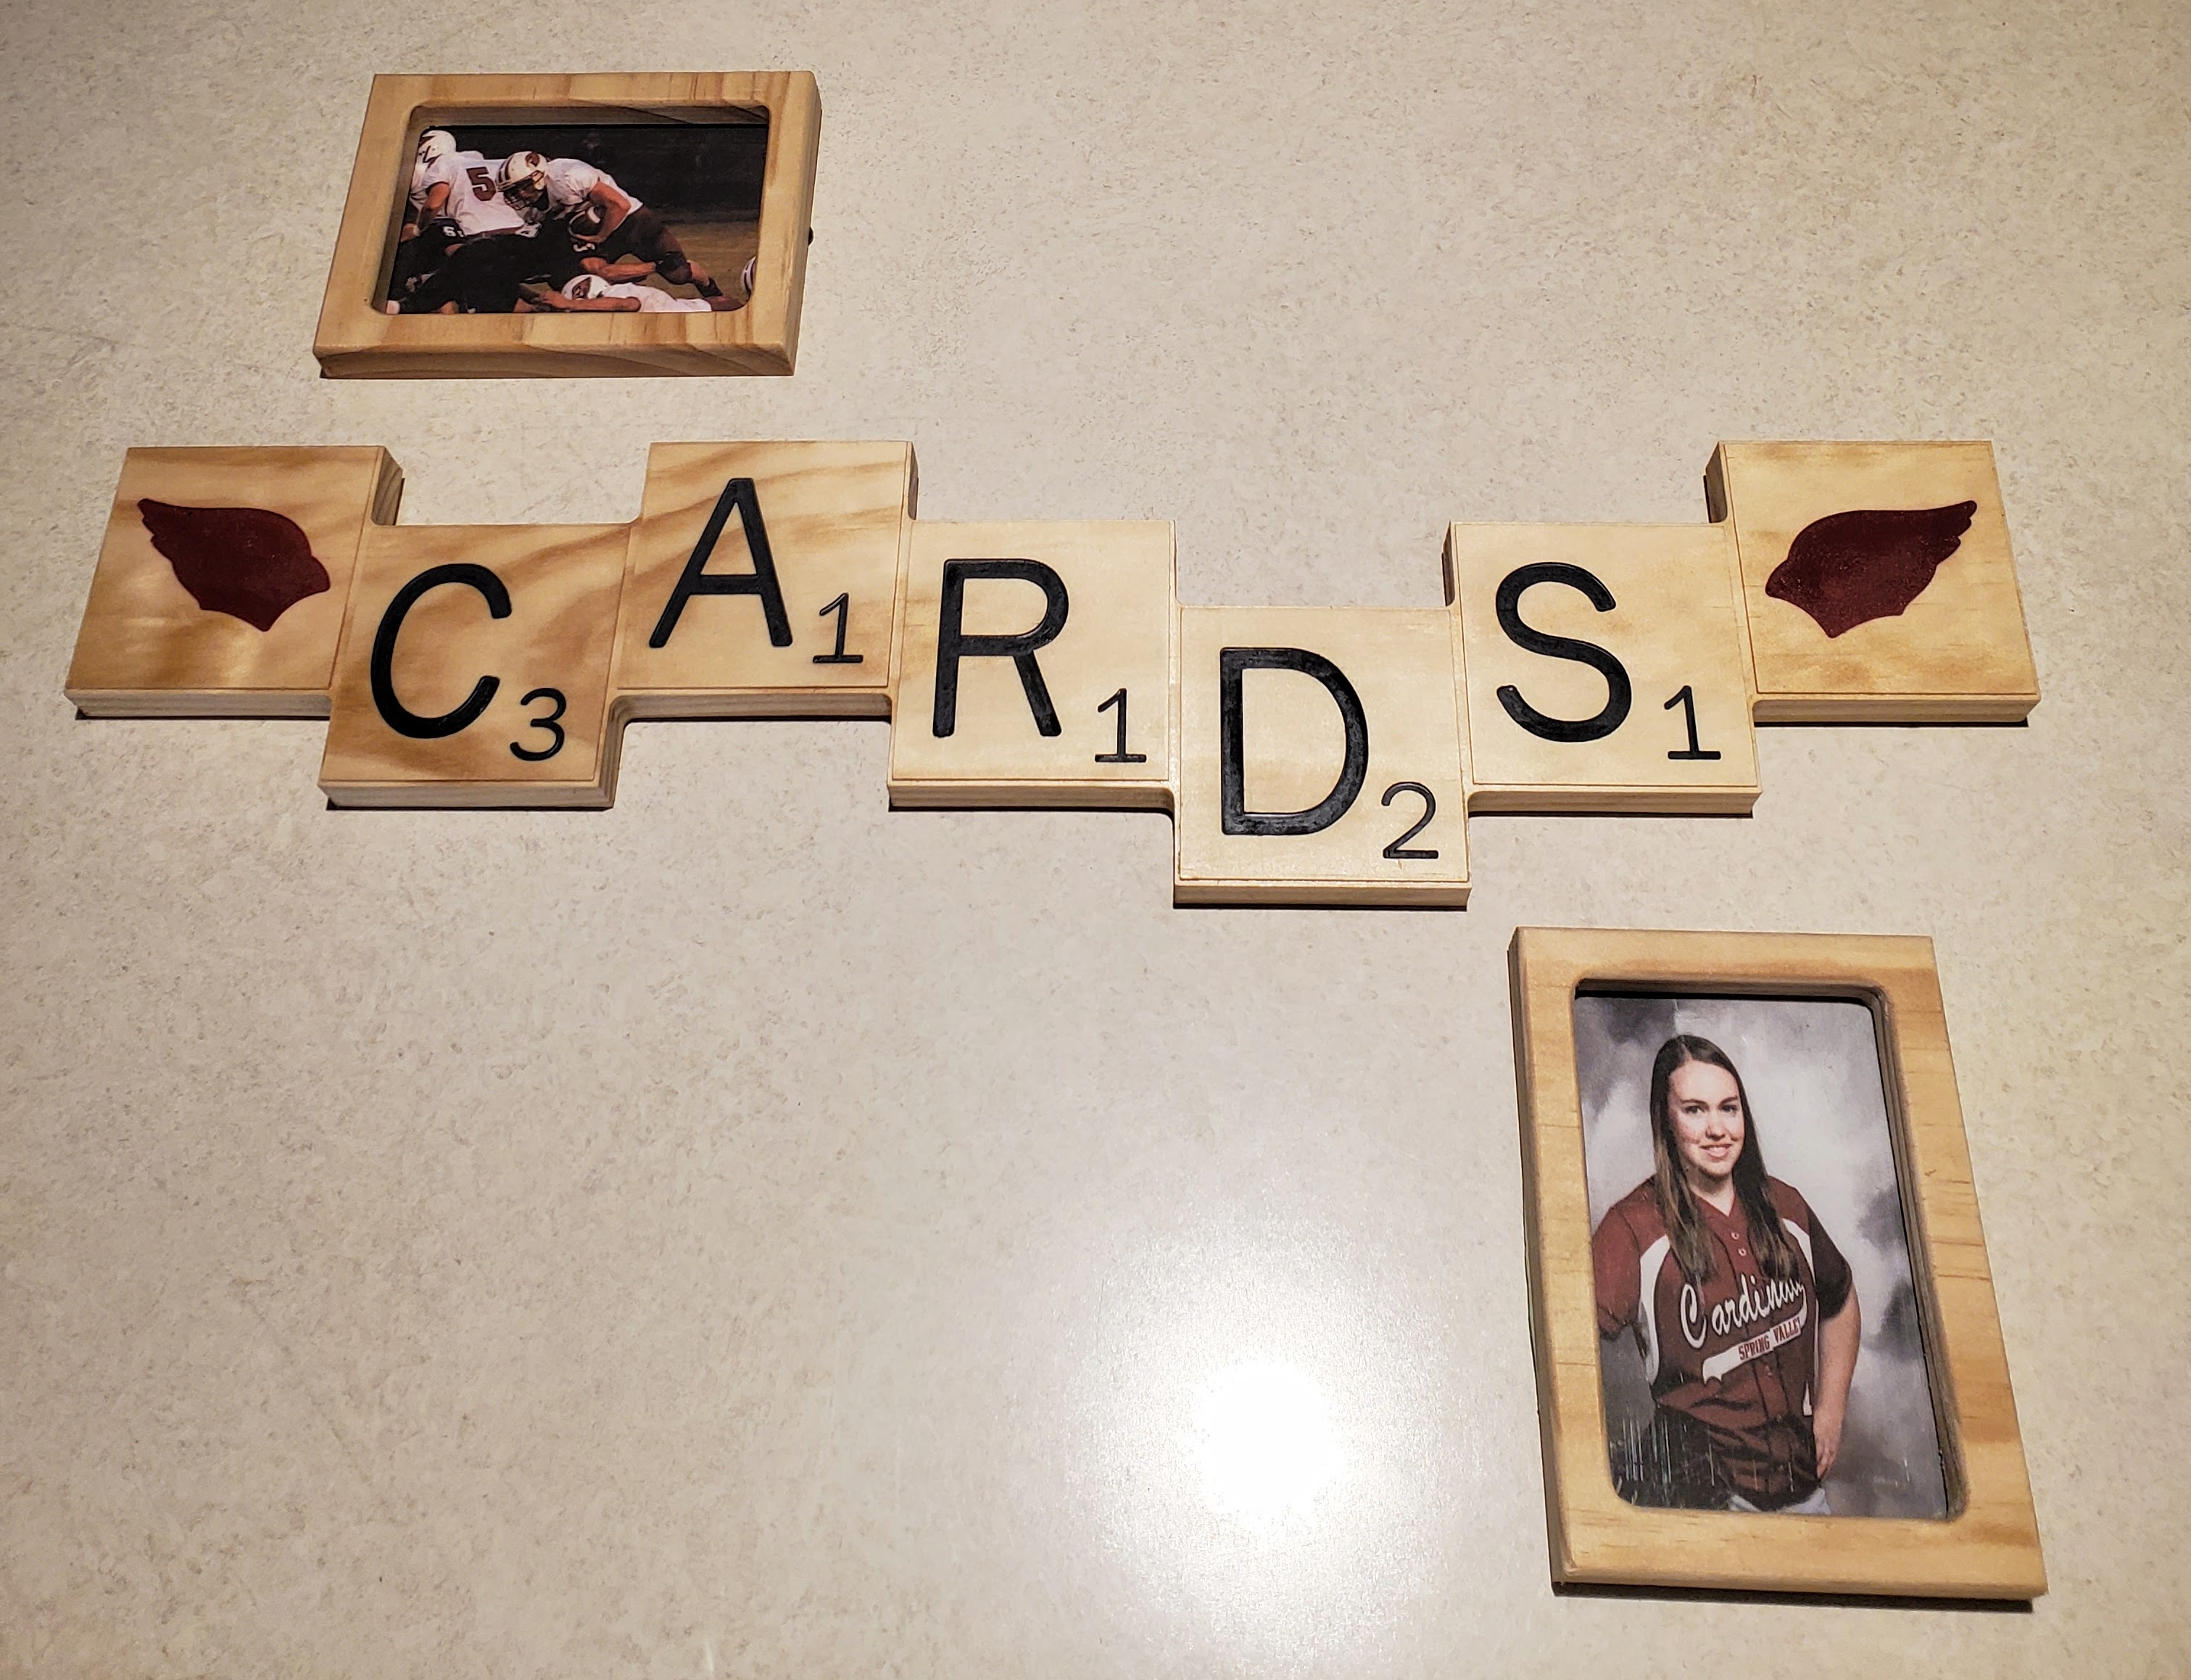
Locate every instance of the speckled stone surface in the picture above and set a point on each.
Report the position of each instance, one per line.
(751, 1232)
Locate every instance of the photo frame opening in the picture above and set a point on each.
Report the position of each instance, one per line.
(1753, 1255)
(503, 217)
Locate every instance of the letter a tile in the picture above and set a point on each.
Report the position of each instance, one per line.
(1319, 758)
(1035, 667)
(1604, 668)
(475, 668)
(762, 580)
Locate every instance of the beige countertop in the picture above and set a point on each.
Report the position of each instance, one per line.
(751, 1232)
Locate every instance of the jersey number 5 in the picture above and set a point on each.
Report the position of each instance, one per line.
(483, 183)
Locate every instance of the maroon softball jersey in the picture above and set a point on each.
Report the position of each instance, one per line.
(1736, 1352)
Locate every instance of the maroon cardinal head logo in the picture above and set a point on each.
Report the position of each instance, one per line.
(251, 563)
(1849, 568)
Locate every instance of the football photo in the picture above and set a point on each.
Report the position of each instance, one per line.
(535, 217)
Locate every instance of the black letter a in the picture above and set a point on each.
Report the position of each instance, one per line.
(761, 580)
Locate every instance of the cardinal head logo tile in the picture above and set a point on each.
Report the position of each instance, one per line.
(1877, 582)
(223, 580)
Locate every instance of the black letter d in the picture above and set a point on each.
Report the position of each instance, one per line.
(1237, 818)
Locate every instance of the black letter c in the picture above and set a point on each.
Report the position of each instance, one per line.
(393, 712)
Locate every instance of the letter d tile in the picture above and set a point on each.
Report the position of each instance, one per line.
(1319, 758)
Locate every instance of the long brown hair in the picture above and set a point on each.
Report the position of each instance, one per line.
(1677, 1202)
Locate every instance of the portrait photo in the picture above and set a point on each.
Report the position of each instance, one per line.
(1760, 1338)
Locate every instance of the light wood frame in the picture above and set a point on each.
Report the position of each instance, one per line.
(356, 340)
(1988, 1545)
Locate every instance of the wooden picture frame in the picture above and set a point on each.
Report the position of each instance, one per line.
(358, 340)
(1986, 1546)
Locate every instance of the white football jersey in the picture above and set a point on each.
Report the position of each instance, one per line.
(570, 180)
(476, 202)
(654, 301)
(447, 170)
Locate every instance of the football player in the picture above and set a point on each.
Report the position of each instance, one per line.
(423, 242)
(616, 236)
(490, 247)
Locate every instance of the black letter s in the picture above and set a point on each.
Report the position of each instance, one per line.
(1617, 692)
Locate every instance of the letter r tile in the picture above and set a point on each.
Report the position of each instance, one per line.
(1016, 643)
(1604, 668)
(1313, 744)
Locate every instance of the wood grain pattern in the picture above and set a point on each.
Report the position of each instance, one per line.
(357, 340)
(1958, 652)
(563, 581)
(1118, 630)
(146, 648)
(1988, 1547)
(1399, 664)
(1675, 624)
(836, 518)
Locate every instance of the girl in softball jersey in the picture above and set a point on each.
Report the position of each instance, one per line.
(1742, 1306)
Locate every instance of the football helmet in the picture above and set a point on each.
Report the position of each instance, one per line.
(586, 285)
(524, 177)
(435, 145)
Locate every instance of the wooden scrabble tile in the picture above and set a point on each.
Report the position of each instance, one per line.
(1604, 668)
(1877, 580)
(1319, 758)
(221, 584)
(475, 668)
(1035, 667)
(762, 580)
